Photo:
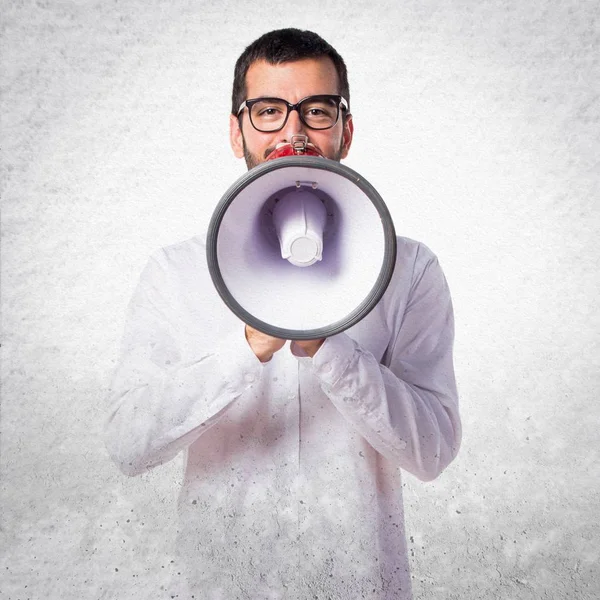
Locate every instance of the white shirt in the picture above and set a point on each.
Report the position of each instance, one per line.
(292, 486)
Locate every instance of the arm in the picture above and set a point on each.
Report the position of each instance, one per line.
(407, 408)
(159, 403)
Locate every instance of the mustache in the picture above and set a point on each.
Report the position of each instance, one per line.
(268, 151)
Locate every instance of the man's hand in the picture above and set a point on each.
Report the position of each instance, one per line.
(263, 345)
(310, 346)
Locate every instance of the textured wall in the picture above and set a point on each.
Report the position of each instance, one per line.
(478, 122)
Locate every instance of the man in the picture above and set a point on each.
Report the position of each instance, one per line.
(294, 450)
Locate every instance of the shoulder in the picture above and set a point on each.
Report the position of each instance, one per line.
(178, 262)
(417, 267)
(413, 254)
(188, 252)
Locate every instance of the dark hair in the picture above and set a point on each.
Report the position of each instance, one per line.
(285, 45)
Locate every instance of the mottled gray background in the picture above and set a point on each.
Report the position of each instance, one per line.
(477, 121)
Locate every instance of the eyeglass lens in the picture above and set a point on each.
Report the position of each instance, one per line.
(269, 114)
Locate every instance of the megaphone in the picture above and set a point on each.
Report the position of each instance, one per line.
(301, 247)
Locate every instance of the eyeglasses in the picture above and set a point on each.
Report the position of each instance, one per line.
(316, 112)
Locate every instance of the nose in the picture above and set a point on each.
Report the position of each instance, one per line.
(293, 126)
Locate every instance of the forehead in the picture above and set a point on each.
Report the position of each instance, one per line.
(292, 81)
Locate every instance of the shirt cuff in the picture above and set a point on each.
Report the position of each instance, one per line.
(238, 365)
(332, 359)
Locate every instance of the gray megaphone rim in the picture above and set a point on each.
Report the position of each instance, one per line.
(372, 298)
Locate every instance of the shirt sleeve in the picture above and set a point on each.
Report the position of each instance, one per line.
(160, 404)
(407, 409)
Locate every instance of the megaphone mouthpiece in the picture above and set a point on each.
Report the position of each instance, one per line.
(298, 146)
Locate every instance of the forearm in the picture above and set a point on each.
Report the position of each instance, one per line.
(415, 427)
(156, 410)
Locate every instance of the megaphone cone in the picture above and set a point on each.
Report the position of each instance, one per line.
(301, 247)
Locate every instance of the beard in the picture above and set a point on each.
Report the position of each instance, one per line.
(252, 160)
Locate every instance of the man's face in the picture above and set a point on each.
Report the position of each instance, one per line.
(291, 81)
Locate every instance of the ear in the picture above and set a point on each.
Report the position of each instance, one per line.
(236, 138)
(347, 134)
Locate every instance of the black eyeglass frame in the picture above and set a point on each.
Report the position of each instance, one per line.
(341, 103)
